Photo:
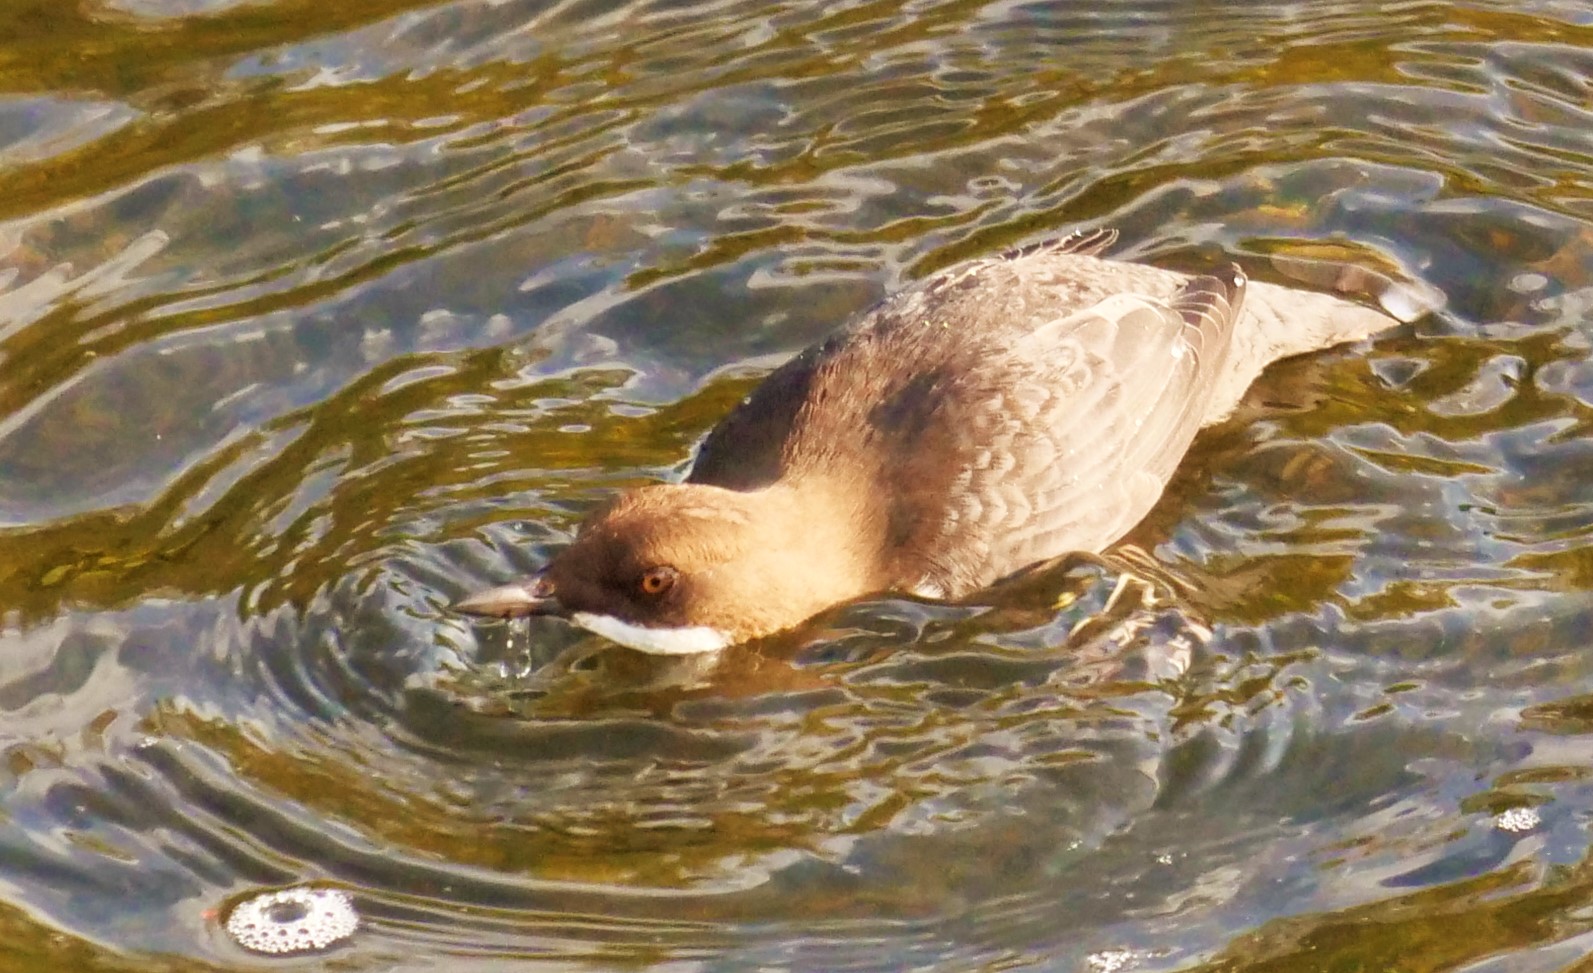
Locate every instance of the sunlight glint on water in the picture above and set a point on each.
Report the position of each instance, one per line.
(315, 316)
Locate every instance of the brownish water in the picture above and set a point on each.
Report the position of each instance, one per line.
(315, 315)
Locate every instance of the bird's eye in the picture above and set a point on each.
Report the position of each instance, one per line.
(658, 580)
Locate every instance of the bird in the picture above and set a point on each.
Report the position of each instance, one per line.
(1001, 412)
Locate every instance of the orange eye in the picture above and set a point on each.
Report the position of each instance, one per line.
(658, 580)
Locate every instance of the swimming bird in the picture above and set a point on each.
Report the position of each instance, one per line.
(1003, 411)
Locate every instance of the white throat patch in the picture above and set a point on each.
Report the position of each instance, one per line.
(688, 640)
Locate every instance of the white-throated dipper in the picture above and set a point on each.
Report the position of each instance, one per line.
(1001, 412)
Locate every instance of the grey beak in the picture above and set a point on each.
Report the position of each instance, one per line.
(532, 596)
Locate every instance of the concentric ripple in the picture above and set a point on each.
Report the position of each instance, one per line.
(314, 316)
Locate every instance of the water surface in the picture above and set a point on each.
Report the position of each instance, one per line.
(314, 316)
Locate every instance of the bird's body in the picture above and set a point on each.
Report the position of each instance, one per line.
(1004, 411)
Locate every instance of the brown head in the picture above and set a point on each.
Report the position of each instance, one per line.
(692, 568)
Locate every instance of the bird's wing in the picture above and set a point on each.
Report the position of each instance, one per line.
(1078, 429)
(1088, 243)
(745, 450)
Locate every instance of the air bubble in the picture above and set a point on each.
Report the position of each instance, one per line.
(293, 920)
(1517, 819)
(1112, 960)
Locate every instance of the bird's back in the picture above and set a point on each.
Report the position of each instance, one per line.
(1014, 408)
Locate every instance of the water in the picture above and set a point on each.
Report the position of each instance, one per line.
(314, 316)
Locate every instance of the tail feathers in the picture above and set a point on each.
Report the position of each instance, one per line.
(1404, 300)
(1293, 322)
(1280, 322)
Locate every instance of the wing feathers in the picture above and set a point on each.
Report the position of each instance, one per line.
(1089, 243)
(1092, 459)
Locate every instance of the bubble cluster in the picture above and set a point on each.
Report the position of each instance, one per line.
(293, 920)
(1112, 960)
(1517, 820)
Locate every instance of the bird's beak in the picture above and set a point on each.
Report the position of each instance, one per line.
(531, 596)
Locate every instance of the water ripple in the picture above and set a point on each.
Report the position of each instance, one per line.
(313, 316)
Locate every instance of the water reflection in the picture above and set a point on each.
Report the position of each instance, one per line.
(313, 316)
